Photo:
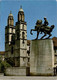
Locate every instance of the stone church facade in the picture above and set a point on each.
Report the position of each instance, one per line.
(16, 40)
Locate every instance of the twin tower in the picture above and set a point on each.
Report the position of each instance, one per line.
(16, 40)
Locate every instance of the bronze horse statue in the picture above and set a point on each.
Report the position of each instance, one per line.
(40, 28)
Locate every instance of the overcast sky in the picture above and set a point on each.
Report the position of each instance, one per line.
(33, 9)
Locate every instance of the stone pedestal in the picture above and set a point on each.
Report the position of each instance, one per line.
(17, 71)
(41, 57)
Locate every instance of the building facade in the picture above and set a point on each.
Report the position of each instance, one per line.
(55, 54)
(2, 55)
(16, 40)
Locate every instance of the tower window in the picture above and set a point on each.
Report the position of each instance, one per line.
(7, 38)
(23, 27)
(23, 36)
(28, 60)
(23, 58)
(12, 50)
(23, 17)
(17, 35)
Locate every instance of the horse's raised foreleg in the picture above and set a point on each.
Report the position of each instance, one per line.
(43, 36)
(31, 31)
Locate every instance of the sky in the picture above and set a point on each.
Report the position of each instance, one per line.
(33, 9)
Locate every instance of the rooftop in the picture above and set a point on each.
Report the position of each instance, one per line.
(2, 52)
(10, 14)
(21, 9)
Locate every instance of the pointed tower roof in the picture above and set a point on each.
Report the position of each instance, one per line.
(21, 9)
(10, 20)
(10, 14)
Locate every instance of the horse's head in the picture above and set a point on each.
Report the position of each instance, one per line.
(52, 26)
(39, 22)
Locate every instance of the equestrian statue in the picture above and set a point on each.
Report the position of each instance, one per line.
(43, 28)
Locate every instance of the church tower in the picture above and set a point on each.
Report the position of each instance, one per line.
(21, 39)
(9, 28)
(9, 32)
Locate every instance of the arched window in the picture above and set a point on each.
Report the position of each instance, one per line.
(23, 36)
(18, 35)
(7, 38)
(12, 50)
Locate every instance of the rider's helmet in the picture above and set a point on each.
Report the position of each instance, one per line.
(44, 17)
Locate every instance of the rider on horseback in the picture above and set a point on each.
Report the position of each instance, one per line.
(42, 28)
(45, 22)
(45, 25)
